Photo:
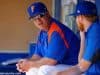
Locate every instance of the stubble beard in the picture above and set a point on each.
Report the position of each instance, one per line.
(81, 27)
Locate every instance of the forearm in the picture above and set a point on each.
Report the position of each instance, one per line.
(82, 45)
(81, 53)
(75, 70)
(82, 67)
(35, 58)
(43, 61)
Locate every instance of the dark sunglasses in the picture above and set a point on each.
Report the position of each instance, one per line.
(40, 16)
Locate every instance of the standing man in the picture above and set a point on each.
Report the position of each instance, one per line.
(89, 26)
(57, 46)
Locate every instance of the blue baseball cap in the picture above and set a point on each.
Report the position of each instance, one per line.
(85, 8)
(36, 8)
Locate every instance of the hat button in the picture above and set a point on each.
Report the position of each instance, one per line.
(78, 11)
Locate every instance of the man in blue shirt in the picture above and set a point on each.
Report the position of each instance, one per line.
(89, 26)
(56, 44)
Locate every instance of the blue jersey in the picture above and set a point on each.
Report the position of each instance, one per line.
(59, 43)
(91, 47)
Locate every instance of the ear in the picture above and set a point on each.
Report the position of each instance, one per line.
(47, 14)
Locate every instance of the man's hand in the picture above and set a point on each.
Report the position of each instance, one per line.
(18, 65)
(24, 65)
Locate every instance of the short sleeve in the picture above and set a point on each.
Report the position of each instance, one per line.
(38, 45)
(37, 50)
(56, 47)
(91, 47)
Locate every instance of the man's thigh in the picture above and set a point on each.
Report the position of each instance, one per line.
(32, 71)
(48, 70)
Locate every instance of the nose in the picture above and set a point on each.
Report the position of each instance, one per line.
(38, 19)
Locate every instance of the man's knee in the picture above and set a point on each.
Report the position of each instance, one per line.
(32, 71)
(45, 70)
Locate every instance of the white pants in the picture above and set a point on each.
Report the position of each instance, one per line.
(46, 69)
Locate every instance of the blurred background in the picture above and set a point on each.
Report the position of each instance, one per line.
(16, 31)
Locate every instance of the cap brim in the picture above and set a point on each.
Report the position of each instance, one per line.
(30, 18)
(34, 15)
(73, 14)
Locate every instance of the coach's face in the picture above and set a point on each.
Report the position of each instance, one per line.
(41, 21)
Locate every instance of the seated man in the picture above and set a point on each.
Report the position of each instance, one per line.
(89, 26)
(57, 45)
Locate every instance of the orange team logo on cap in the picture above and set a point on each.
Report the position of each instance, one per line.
(32, 9)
